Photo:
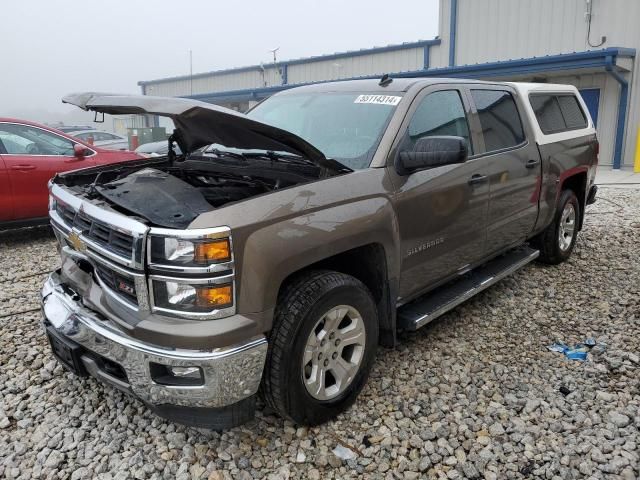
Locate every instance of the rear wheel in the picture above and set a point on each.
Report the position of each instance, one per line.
(558, 240)
(321, 347)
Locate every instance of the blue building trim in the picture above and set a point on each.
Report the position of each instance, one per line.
(453, 26)
(426, 54)
(366, 51)
(297, 61)
(622, 110)
(526, 66)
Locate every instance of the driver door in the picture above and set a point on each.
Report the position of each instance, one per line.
(33, 156)
(442, 210)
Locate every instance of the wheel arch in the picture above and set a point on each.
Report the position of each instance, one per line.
(358, 238)
(367, 263)
(576, 182)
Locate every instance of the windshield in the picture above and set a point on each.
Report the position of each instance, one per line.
(344, 126)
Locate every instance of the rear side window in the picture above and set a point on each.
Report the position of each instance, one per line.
(571, 111)
(499, 119)
(558, 113)
(547, 110)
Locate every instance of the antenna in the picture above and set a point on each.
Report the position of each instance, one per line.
(273, 51)
(385, 80)
(275, 64)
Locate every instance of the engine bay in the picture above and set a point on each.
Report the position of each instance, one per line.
(172, 194)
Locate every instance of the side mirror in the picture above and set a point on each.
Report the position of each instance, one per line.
(79, 151)
(429, 152)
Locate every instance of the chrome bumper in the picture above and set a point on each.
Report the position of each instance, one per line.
(230, 374)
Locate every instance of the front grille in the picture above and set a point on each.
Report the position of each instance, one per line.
(66, 213)
(117, 282)
(106, 244)
(82, 222)
(101, 233)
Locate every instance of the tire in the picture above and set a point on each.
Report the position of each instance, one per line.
(554, 243)
(300, 311)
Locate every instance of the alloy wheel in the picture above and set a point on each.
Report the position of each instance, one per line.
(333, 352)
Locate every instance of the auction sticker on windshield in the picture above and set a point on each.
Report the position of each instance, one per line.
(378, 99)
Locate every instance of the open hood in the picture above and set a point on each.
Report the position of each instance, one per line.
(199, 124)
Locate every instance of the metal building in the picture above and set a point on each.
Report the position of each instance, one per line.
(587, 43)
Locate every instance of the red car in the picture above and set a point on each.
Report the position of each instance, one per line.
(30, 154)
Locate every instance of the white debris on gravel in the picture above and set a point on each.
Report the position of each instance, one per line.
(474, 395)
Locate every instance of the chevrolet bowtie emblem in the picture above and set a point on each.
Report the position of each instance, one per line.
(77, 242)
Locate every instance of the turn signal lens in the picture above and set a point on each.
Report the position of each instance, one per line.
(216, 251)
(208, 297)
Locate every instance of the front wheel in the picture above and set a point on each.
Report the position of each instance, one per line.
(558, 239)
(321, 347)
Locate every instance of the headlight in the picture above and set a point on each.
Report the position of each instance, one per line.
(188, 251)
(191, 298)
(191, 272)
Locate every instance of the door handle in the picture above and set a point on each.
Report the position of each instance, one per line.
(476, 179)
(23, 167)
(532, 163)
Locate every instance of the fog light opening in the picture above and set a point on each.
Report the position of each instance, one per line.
(176, 376)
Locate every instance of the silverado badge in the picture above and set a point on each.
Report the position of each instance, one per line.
(77, 242)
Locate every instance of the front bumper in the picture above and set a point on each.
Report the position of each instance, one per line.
(231, 375)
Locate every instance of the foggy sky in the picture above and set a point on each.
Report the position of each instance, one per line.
(50, 48)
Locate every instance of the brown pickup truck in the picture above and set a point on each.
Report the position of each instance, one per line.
(277, 251)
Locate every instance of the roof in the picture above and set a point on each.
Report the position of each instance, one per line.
(364, 85)
(33, 124)
(525, 88)
(295, 61)
(29, 122)
(51, 129)
(372, 85)
(592, 59)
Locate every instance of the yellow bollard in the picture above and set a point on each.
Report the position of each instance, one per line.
(636, 163)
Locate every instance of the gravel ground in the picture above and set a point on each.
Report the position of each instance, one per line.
(474, 395)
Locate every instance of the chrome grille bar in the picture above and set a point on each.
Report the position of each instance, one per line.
(117, 237)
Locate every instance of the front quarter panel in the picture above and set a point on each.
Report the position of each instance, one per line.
(283, 232)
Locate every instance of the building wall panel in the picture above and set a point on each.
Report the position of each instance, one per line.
(257, 78)
(493, 30)
(401, 60)
(356, 66)
(439, 54)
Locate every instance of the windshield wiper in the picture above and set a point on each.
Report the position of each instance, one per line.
(279, 156)
(225, 153)
(268, 154)
(274, 156)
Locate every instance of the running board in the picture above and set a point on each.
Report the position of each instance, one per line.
(429, 307)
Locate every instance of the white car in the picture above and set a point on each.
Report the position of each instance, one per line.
(157, 149)
(102, 139)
